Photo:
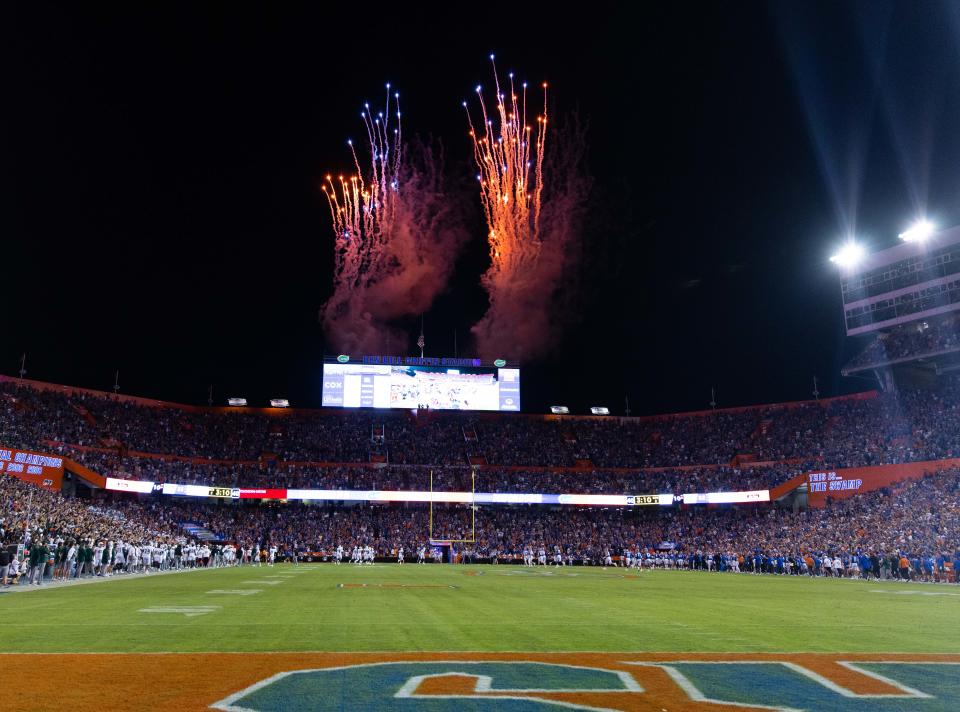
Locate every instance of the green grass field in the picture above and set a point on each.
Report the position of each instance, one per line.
(413, 608)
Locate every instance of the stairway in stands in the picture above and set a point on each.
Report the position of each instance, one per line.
(197, 532)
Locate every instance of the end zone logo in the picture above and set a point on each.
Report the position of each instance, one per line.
(461, 685)
(615, 682)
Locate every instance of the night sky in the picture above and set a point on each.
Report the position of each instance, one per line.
(161, 211)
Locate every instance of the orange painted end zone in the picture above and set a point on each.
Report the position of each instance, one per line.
(180, 682)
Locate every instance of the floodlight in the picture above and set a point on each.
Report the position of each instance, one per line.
(279, 403)
(849, 255)
(559, 410)
(599, 410)
(236, 401)
(919, 231)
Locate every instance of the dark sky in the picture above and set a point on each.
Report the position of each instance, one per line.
(160, 209)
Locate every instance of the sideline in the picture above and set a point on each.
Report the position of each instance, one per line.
(49, 585)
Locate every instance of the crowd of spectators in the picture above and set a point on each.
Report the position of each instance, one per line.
(918, 520)
(27, 508)
(909, 341)
(460, 478)
(36, 522)
(911, 424)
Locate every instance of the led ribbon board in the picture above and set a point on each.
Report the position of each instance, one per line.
(580, 500)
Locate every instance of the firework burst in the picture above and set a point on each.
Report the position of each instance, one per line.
(509, 156)
(535, 206)
(397, 232)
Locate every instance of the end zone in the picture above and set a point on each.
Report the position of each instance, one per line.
(176, 682)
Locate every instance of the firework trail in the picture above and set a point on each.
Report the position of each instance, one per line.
(534, 205)
(397, 232)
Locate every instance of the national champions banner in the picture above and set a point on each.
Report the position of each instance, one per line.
(37, 468)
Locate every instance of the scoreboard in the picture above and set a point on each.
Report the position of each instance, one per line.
(369, 385)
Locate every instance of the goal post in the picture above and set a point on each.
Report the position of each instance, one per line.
(473, 514)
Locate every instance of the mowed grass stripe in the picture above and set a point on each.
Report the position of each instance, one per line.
(501, 609)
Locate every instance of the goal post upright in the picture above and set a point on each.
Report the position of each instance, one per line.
(473, 512)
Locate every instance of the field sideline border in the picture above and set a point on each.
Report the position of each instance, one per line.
(53, 585)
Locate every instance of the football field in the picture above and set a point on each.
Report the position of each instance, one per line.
(437, 637)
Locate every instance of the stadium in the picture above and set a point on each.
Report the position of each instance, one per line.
(448, 508)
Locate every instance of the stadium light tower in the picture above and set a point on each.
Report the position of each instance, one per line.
(920, 231)
(849, 255)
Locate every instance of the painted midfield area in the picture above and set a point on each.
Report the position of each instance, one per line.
(483, 608)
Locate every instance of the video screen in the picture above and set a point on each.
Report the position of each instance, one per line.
(352, 385)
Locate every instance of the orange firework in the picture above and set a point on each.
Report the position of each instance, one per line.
(510, 160)
(363, 208)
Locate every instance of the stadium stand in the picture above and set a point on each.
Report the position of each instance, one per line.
(734, 449)
(866, 429)
(908, 342)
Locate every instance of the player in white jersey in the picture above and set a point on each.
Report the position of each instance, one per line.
(98, 558)
(734, 563)
(273, 555)
(368, 555)
(607, 559)
(338, 554)
(119, 557)
(542, 556)
(557, 556)
(422, 555)
(70, 561)
(400, 556)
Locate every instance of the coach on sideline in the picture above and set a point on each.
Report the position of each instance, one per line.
(4, 563)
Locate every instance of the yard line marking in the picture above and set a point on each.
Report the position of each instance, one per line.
(188, 611)
(268, 583)
(913, 593)
(235, 591)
